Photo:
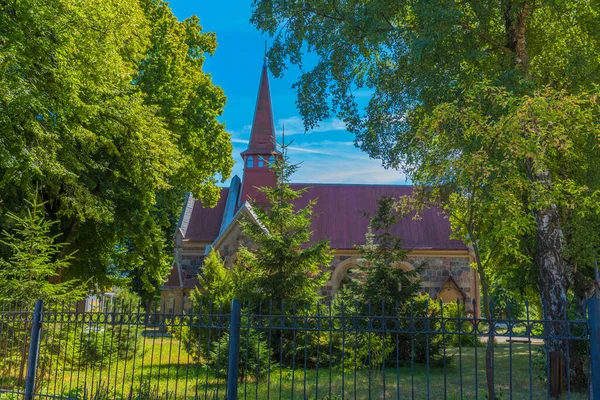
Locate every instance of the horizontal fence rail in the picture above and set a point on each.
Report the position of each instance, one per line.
(421, 350)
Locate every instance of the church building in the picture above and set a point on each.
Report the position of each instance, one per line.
(338, 217)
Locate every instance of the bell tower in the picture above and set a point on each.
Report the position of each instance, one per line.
(262, 146)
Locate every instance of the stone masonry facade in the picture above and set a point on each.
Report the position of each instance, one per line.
(435, 274)
(437, 269)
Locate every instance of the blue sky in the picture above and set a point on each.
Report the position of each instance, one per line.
(327, 154)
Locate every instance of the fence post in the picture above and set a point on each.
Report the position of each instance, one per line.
(234, 350)
(34, 350)
(594, 317)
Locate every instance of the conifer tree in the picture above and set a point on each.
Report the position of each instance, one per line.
(283, 264)
(34, 259)
(215, 282)
(386, 283)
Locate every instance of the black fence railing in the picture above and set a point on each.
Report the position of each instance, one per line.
(426, 350)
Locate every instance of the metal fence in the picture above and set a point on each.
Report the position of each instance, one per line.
(285, 351)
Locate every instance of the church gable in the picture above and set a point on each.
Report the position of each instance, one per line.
(233, 236)
(450, 291)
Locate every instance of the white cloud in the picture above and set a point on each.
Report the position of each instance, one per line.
(294, 125)
(293, 149)
(235, 140)
(347, 171)
(324, 161)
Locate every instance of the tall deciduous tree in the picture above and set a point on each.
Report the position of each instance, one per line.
(106, 107)
(419, 56)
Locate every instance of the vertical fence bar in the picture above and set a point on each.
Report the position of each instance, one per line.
(234, 350)
(34, 349)
(594, 318)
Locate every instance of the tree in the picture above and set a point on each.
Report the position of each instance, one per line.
(108, 111)
(486, 190)
(212, 295)
(419, 57)
(215, 282)
(32, 263)
(282, 265)
(386, 284)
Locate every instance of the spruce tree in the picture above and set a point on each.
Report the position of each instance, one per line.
(215, 284)
(35, 259)
(385, 282)
(282, 265)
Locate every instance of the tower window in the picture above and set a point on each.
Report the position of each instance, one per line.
(271, 160)
(250, 162)
(261, 162)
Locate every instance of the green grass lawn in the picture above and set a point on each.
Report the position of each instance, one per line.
(168, 372)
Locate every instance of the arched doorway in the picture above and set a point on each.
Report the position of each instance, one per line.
(351, 264)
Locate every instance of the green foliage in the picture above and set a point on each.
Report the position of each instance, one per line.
(34, 259)
(373, 348)
(115, 119)
(412, 56)
(505, 305)
(489, 106)
(456, 321)
(282, 265)
(215, 282)
(382, 287)
(105, 392)
(97, 345)
(387, 284)
(426, 313)
(213, 294)
(255, 354)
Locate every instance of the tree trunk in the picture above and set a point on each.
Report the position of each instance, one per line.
(553, 285)
(485, 290)
(148, 313)
(552, 271)
(551, 266)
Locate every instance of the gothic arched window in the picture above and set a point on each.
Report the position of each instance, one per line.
(250, 163)
(271, 160)
(261, 162)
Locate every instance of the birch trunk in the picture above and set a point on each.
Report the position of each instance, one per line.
(551, 266)
(552, 272)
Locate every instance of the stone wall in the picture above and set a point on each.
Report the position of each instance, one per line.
(437, 268)
(436, 271)
(175, 301)
(229, 245)
(191, 263)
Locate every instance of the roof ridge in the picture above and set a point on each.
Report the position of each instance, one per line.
(353, 184)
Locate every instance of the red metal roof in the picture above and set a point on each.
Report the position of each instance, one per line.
(205, 222)
(339, 216)
(341, 209)
(173, 277)
(189, 278)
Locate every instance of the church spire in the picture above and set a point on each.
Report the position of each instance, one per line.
(262, 136)
(262, 146)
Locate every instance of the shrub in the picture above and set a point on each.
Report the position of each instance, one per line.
(255, 354)
(459, 331)
(96, 345)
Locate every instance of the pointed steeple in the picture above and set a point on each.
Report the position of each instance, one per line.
(262, 146)
(262, 136)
